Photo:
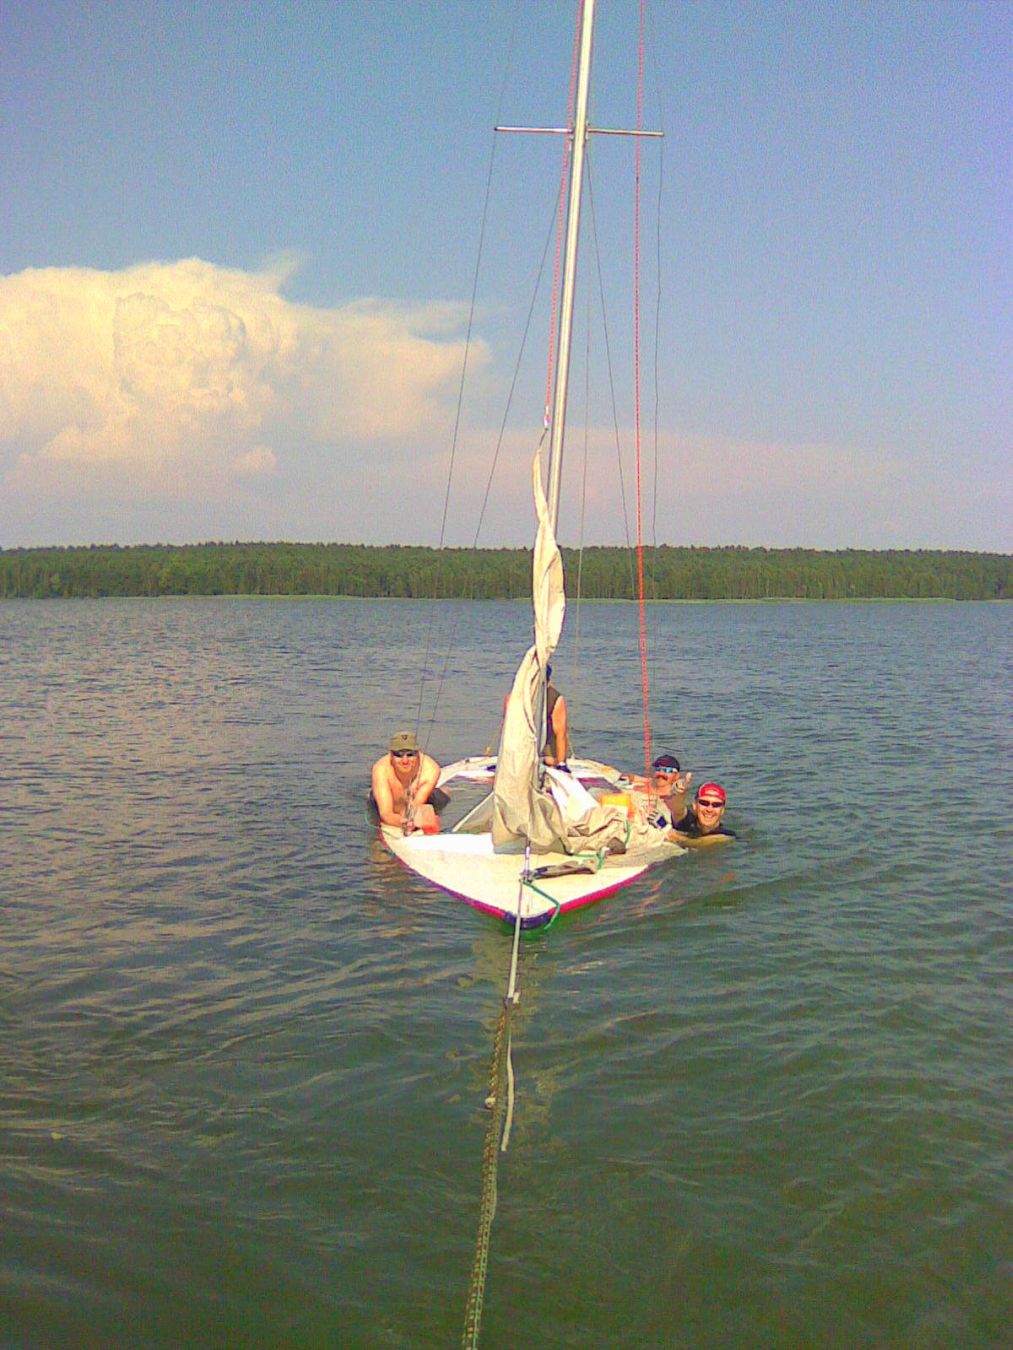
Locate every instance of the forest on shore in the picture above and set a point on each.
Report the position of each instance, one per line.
(728, 573)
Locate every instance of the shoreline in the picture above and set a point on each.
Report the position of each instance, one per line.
(526, 600)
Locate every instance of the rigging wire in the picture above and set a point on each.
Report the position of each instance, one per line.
(657, 338)
(449, 650)
(507, 65)
(583, 475)
(609, 367)
(513, 382)
(642, 608)
(561, 215)
(652, 48)
(587, 388)
(657, 387)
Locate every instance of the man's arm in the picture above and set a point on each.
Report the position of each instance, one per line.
(678, 797)
(383, 796)
(560, 731)
(429, 772)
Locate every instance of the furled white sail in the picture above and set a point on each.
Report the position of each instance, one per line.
(521, 810)
(549, 809)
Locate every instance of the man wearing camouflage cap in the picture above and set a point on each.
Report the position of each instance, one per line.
(403, 782)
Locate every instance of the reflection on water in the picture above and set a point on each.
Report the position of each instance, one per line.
(245, 1053)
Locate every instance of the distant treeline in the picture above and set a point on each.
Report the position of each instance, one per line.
(487, 574)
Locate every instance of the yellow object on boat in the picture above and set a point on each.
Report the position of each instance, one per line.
(621, 799)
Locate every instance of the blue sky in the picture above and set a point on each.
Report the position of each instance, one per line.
(239, 242)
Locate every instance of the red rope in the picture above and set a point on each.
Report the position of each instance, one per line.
(636, 398)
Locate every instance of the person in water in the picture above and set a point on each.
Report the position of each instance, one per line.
(701, 824)
(668, 784)
(403, 791)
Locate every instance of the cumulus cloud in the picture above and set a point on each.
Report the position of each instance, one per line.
(183, 401)
(259, 462)
(177, 380)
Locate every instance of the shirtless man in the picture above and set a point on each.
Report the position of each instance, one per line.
(557, 732)
(701, 824)
(557, 735)
(403, 782)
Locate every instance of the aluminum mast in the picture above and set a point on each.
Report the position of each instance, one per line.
(562, 372)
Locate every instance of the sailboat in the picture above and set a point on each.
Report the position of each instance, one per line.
(543, 841)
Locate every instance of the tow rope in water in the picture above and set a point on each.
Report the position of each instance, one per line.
(500, 1104)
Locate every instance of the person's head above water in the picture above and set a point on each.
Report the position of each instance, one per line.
(666, 764)
(709, 806)
(666, 779)
(403, 746)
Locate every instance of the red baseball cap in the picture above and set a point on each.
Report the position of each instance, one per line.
(711, 790)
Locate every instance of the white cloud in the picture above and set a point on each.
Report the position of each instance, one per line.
(184, 401)
(178, 380)
(259, 462)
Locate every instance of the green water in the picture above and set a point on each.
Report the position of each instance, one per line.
(763, 1096)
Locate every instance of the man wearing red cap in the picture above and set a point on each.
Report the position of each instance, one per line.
(702, 822)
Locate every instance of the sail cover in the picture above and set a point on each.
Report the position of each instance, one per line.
(531, 803)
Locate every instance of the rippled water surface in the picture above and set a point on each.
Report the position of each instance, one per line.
(763, 1095)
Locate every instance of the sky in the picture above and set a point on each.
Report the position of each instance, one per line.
(248, 249)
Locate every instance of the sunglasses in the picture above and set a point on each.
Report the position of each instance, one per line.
(704, 801)
(404, 754)
(666, 773)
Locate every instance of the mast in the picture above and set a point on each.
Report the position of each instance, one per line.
(578, 135)
(562, 372)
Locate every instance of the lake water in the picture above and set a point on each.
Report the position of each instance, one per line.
(763, 1095)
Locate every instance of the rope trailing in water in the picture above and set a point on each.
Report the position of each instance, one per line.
(500, 1101)
(487, 1204)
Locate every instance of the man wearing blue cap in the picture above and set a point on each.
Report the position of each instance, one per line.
(669, 785)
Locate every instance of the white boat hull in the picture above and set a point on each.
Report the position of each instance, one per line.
(466, 866)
